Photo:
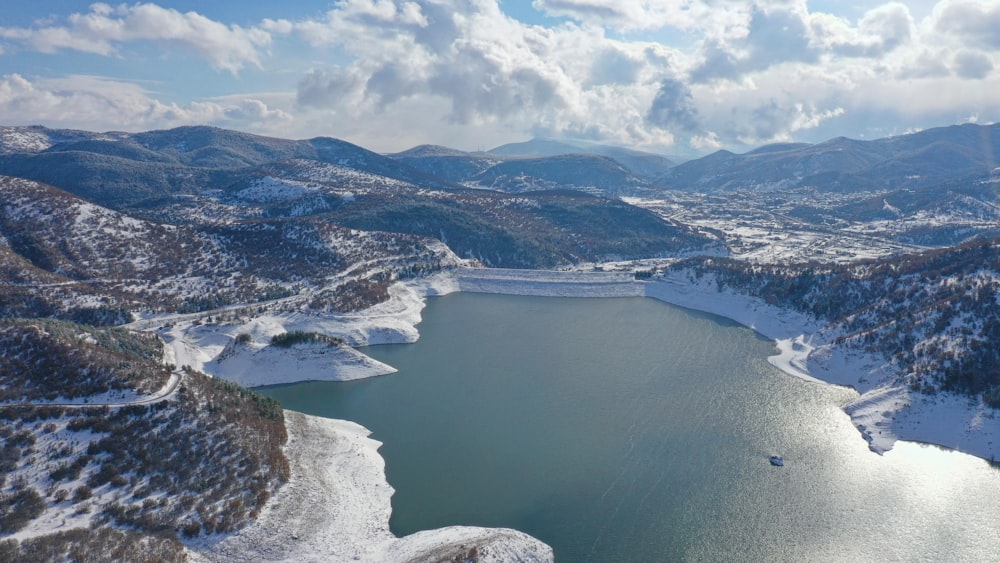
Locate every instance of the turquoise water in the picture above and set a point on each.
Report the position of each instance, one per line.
(632, 430)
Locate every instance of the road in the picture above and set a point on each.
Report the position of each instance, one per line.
(163, 394)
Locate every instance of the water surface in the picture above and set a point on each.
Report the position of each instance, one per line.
(632, 430)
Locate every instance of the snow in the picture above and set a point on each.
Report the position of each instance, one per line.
(118, 397)
(213, 348)
(793, 357)
(256, 364)
(269, 190)
(23, 139)
(336, 507)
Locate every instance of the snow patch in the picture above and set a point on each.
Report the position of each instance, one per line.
(22, 139)
(271, 190)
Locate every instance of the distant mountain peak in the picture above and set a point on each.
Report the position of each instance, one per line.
(420, 151)
(537, 147)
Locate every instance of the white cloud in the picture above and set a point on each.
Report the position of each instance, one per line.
(972, 65)
(970, 20)
(760, 72)
(249, 110)
(88, 102)
(709, 73)
(103, 29)
(483, 69)
(673, 108)
(631, 15)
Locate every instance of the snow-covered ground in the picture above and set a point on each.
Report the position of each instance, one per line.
(336, 507)
(761, 227)
(216, 349)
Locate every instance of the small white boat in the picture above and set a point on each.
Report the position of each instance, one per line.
(776, 460)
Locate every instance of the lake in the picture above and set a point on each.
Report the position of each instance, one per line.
(632, 430)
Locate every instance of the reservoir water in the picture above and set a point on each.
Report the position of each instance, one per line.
(632, 430)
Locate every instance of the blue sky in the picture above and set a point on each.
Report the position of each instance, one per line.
(673, 76)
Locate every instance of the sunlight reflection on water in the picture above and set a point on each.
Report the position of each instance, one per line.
(631, 430)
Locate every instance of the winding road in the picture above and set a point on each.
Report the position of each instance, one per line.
(163, 394)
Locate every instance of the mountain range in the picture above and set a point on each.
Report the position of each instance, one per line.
(103, 166)
(918, 160)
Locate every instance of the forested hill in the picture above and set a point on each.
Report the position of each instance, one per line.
(167, 459)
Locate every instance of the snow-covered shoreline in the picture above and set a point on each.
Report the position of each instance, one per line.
(336, 507)
(217, 349)
(884, 413)
(310, 518)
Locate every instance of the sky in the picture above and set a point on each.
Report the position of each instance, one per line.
(670, 76)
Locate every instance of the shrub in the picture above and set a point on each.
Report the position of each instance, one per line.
(83, 492)
(19, 508)
(289, 339)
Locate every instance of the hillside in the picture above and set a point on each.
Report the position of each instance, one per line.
(542, 164)
(935, 315)
(645, 165)
(69, 258)
(594, 174)
(451, 165)
(212, 187)
(122, 169)
(537, 230)
(244, 251)
(90, 481)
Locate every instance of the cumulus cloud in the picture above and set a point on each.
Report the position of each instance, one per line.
(926, 64)
(673, 107)
(972, 65)
(887, 27)
(630, 15)
(89, 102)
(769, 110)
(614, 66)
(482, 68)
(103, 29)
(770, 37)
(789, 33)
(970, 19)
(487, 66)
(250, 110)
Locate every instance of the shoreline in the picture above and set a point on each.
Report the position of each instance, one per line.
(336, 507)
(885, 412)
(882, 413)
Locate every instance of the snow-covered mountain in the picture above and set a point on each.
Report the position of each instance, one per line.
(916, 160)
(74, 259)
(542, 164)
